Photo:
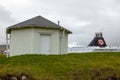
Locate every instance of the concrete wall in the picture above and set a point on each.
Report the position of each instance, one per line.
(54, 39)
(27, 41)
(63, 41)
(59, 40)
(20, 41)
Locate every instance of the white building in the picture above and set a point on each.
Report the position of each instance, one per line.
(37, 36)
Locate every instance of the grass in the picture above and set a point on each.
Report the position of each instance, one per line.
(74, 66)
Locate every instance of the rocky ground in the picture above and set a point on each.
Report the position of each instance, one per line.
(21, 76)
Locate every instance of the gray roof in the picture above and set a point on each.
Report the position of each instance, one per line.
(38, 21)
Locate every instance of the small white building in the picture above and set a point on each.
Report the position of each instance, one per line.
(37, 36)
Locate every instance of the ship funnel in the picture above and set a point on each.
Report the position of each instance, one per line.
(98, 40)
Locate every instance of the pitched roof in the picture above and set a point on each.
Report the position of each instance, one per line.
(38, 21)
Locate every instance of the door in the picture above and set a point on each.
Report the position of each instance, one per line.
(45, 43)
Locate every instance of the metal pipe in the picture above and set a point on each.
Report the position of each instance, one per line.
(63, 35)
(7, 45)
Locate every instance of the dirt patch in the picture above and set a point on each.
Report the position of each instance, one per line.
(94, 74)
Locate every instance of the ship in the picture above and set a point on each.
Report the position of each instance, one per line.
(98, 44)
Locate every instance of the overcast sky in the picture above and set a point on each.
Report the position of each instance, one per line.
(82, 17)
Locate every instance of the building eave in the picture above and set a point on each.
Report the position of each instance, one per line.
(8, 30)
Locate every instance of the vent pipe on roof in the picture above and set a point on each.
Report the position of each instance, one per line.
(58, 23)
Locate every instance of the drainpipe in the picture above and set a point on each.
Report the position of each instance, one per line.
(63, 35)
(32, 34)
(7, 45)
(62, 42)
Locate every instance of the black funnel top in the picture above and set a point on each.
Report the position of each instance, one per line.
(98, 40)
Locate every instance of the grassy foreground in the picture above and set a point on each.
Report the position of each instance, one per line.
(84, 66)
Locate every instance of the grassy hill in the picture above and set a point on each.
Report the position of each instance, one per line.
(74, 66)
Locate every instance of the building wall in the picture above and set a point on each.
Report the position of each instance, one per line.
(59, 42)
(63, 41)
(54, 39)
(27, 41)
(20, 41)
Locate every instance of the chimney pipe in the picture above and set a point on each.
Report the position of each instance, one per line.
(98, 34)
(58, 23)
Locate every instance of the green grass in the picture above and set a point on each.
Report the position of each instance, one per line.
(74, 66)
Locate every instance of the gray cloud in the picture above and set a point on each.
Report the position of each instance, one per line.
(82, 17)
(5, 20)
(100, 16)
(5, 15)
